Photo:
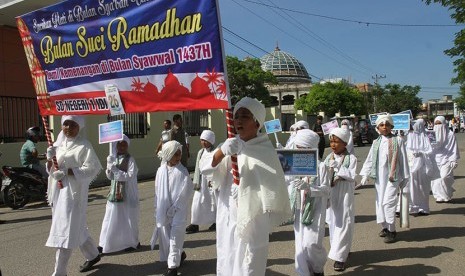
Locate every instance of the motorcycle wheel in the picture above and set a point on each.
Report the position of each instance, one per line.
(16, 195)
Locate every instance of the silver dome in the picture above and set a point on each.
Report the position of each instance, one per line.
(285, 67)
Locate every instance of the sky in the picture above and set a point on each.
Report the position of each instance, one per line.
(323, 36)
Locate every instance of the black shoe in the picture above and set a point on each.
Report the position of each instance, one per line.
(171, 272)
(212, 227)
(193, 228)
(397, 214)
(422, 214)
(89, 264)
(130, 249)
(383, 233)
(100, 249)
(339, 266)
(183, 257)
(390, 237)
(319, 274)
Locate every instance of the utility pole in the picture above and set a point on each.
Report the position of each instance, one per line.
(376, 77)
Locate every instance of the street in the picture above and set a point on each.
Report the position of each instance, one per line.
(433, 244)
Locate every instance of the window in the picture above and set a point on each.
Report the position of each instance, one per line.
(134, 124)
(194, 122)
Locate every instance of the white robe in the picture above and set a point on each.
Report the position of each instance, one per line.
(260, 174)
(443, 176)
(226, 212)
(386, 191)
(173, 188)
(203, 203)
(310, 253)
(69, 204)
(120, 226)
(341, 213)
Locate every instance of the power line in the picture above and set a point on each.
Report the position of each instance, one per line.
(367, 23)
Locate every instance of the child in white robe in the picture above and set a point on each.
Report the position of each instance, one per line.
(345, 124)
(446, 153)
(387, 164)
(120, 226)
(78, 165)
(341, 164)
(261, 197)
(311, 193)
(418, 152)
(203, 210)
(173, 188)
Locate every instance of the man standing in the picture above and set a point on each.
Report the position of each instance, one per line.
(165, 135)
(319, 130)
(178, 134)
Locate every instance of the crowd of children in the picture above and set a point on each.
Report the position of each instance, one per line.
(244, 212)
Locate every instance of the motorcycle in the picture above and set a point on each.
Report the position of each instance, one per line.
(20, 185)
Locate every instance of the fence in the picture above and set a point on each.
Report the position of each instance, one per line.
(17, 114)
(134, 124)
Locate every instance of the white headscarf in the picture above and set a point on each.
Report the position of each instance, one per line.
(80, 120)
(114, 144)
(208, 135)
(441, 131)
(383, 119)
(301, 125)
(306, 138)
(417, 141)
(345, 124)
(340, 133)
(168, 150)
(254, 106)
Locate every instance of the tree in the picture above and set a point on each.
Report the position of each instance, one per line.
(394, 99)
(458, 51)
(247, 79)
(332, 98)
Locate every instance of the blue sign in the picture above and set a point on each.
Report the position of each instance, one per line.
(374, 117)
(299, 162)
(110, 132)
(273, 126)
(401, 121)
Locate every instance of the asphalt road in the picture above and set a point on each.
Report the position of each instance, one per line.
(434, 244)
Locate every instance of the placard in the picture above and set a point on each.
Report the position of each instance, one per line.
(409, 112)
(110, 132)
(114, 101)
(327, 127)
(299, 162)
(273, 126)
(401, 121)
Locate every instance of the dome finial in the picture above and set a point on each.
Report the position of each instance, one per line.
(277, 46)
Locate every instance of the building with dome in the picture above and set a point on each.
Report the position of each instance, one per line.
(293, 82)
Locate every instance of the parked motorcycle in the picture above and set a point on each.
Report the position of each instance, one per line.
(20, 185)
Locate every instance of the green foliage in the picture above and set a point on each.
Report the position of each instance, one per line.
(247, 79)
(331, 98)
(393, 99)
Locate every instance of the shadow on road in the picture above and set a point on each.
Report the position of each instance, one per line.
(431, 233)
(282, 236)
(29, 219)
(379, 270)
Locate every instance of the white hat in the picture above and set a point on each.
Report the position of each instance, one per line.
(208, 135)
(306, 138)
(254, 106)
(340, 133)
(168, 150)
(301, 125)
(383, 119)
(75, 118)
(442, 119)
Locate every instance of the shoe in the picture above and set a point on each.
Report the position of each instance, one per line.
(130, 249)
(397, 214)
(383, 233)
(390, 237)
(339, 266)
(89, 264)
(193, 228)
(319, 274)
(100, 249)
(422, 214)
(171, 272)
(212, 227)
(183, 257)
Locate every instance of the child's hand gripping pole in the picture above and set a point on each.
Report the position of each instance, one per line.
(50, 144)
(230, 125)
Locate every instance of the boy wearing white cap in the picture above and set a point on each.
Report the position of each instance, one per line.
(341, 166)
(204, 203)
(250, 209)
(309, 197)
(173, 188)
(387, 164)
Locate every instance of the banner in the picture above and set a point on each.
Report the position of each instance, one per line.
(160, 55)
